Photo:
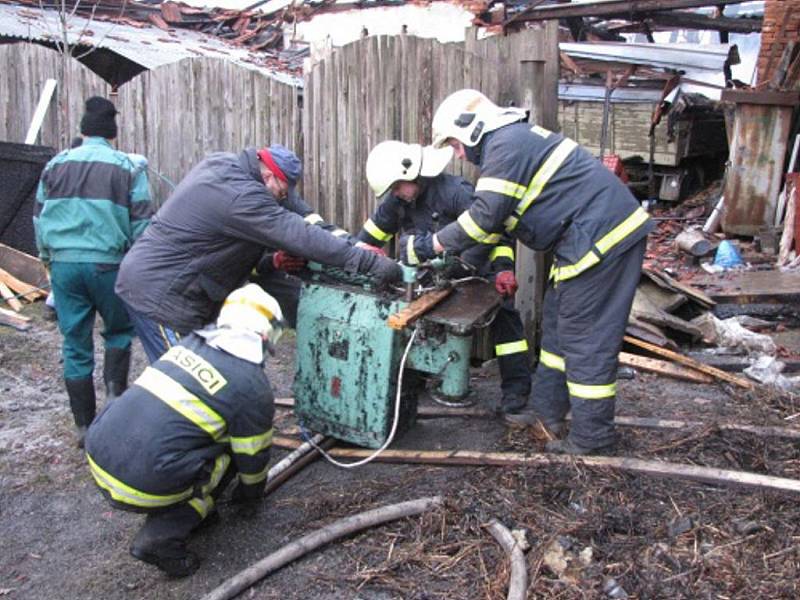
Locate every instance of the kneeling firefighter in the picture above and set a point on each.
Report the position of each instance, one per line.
(197, 419)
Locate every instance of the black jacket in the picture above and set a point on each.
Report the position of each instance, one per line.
(207, 237)
(446, 196)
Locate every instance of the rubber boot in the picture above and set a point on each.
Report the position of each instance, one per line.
(115, 371)
(162, 541)
(82, 403)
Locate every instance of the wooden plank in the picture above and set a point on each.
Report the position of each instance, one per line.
(752, 287)
(515, 459)
(24, 290)
(9, 297)
(695, 364)
(12, 319)
(22, 266)
(663, 368)
(627, 9)
(417, 308)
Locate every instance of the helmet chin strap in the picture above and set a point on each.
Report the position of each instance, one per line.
(473, 153)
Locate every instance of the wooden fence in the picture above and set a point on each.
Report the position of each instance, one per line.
(384, 87)
(174, 115)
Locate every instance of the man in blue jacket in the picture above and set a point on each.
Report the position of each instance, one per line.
(194, 421)
(92, 203)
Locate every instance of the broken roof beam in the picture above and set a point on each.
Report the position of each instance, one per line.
(690, 20)
(612, 8)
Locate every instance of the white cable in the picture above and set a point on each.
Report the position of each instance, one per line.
(388, 441)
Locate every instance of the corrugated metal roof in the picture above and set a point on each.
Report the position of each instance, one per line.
(680, 57)
(147, 46)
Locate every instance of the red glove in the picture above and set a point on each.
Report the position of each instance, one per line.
(371, 248)
(505, 283)
(286, 262)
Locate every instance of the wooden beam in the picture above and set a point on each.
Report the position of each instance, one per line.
(23, 266)
(690, 20)
(663, 368)
(12, 319)
(516, 459)
(417, 308)
(26, 291)
(627, 9)
(9, 297)
(690, 362)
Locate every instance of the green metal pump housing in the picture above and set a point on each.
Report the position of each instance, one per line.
(348, 358)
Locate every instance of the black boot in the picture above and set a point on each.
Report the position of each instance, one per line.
(82, 403)
(162, 540)
(115, 371)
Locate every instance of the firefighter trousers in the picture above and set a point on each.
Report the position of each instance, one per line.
(511, 349)
(583, 323)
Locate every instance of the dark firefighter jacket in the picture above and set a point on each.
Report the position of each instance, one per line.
(162, 440)
(444, 195)
(551, 194)
(208, 236)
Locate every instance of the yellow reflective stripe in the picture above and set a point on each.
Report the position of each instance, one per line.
(411, 254)
(552, 361)
(253, 444)
(591, 392)
(376, 232)
(473, 230)
(313, 218)
(251, 478)
(501, 252)
(511, 222)
(259, 308)
(128, 495)
(221, 464)
(199, 368)
(203, 506)
(545, 133)
(589, 260)
(542, 177)
(500, 186)
(511, 348)
(635, 220)
(177, 397)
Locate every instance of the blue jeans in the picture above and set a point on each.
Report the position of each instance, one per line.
(155, 337)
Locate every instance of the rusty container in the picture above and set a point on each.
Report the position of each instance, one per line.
(761, 129)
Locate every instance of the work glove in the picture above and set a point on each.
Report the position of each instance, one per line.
(505, 283)
(416, 248)
(371, 248)
(382, 269)
(282, 261)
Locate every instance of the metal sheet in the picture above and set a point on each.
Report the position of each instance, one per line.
(148, 46)
(672, 56)
(753, 178)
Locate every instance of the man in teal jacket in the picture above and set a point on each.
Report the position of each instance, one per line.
(92, 203)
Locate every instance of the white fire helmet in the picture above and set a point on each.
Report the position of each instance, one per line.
(392, 161)
(466, 115)
(252, 309)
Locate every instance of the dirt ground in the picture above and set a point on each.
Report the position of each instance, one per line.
(593, 533)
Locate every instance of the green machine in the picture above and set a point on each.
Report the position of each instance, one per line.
(348, 358)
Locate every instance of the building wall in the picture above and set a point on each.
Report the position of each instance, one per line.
(781, 24)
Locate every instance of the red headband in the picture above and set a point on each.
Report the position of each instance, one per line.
(265, 157)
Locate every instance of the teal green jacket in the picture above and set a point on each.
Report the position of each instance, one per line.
(91, 204)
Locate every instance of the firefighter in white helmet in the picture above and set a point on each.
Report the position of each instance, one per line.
(417, 197)
(198, 418)
(550, 194)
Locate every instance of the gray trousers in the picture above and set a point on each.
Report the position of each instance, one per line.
(583, 323)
